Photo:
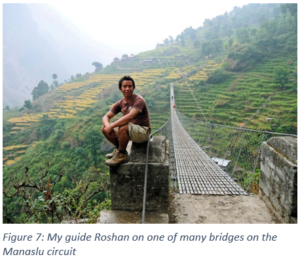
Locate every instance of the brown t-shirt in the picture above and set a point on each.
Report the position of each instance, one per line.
(137, 102)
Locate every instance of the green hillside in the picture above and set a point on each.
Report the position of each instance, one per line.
(231, 65)
(234, 100)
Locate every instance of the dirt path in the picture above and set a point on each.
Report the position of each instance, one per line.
(200, 209)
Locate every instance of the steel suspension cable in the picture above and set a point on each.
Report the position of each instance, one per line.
(146, 168)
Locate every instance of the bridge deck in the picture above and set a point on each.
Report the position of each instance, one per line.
(197, 173)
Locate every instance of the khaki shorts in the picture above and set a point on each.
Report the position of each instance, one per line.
(137, 134)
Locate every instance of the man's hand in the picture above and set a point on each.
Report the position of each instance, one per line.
(108, 129)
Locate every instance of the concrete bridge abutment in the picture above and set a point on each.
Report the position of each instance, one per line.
(127, 186)
(278, 177)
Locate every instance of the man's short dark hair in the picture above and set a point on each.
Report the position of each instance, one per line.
(126, 78)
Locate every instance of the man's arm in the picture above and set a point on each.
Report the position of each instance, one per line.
(120, 122)
(106, 118)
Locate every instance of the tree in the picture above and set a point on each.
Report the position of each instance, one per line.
(40, 202)
(166, 41)
(189, 32)
(124, 56)
(196, 44)
(206, 48)
(27, 104)
(98, 66)
(217, 45)
(266, 37)
(201, 85)
(243, 35)
(41, 89)
(281, 76)
(93, 138)
(182, 41)
(207, 23)
(46, 127)
(228, 31)
(216, 76)
(292, 8)
(211, 35)
(192, 35)
(55, 82)
(171, 40)
(241, 56)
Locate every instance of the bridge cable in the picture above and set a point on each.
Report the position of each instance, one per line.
(185, 76)
(244, 124)
(166, 128)
(150, 139)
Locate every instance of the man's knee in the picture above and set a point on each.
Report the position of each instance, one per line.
(123, 129)
(102, 130)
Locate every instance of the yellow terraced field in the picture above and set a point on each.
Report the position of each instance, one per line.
(15, 147)
(203, 74)
(71, 104)
(10, 162)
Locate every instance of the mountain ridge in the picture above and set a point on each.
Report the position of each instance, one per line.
(35, 47)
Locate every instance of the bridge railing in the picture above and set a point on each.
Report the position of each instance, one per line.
(237, 150)
(165, 131)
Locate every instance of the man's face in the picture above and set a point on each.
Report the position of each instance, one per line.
(127, 88)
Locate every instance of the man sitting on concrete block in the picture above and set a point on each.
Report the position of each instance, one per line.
(134, 125)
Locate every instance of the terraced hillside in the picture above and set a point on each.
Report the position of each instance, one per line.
(231, 102)
(76, 99)
(235, 100)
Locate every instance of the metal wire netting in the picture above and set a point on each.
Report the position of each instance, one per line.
(166, 131)
(237, 150)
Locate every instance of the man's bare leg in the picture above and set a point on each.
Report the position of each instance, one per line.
(112, 137)
(123, 138)
(121, 156)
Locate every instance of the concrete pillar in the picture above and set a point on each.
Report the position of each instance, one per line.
(278, 177)
(127, 186)
(127, 180)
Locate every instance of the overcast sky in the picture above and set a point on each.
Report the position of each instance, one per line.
(132, 26)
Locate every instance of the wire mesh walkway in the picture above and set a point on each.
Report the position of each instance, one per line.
(197, 173)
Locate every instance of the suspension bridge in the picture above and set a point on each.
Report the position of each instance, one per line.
(197, 173)
(199, 153)
(209, 159)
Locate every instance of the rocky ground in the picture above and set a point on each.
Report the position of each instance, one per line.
(200, 209)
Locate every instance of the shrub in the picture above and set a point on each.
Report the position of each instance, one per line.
(216, 76)
(242, 56)
(202, 82)
(65, 145)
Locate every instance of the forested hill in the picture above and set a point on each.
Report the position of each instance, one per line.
(232, 65)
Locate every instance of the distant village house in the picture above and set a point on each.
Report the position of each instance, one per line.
(148, 60)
